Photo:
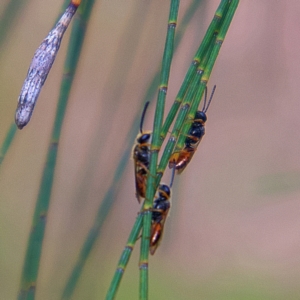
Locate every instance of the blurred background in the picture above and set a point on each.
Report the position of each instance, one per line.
(234, 227)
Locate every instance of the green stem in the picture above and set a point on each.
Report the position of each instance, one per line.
(7, 141)
(191, 97)
(33, 253)
(201, 52)
(125, 258)
(226, 21)
(158, 119)
(148, 96)
(192, 100)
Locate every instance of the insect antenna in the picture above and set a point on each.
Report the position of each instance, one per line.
(205, 98)
(210, 98)
(143, 116)
(173, 175)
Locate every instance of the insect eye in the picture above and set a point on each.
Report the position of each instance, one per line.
(200, 115)
(164, 191)
(144, 138)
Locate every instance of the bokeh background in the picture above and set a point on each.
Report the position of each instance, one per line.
(234, 226)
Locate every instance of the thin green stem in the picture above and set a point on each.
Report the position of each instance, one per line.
(125, 258)
(33, 254)
(220, 38)
(148, 96)
(191, 97)
(226, 21)
(7, 141)
(191, 103)
(158, 119)
(193, 85)
(201, 52)
(181, 29)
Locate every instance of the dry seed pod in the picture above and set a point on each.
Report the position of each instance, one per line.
(40, 66)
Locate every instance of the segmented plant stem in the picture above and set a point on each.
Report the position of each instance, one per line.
(226, 18)
(158, 119)
(7, 141)
(191, 97)
(148, 96)
(217, 25)
(125, 258)
(193, 69)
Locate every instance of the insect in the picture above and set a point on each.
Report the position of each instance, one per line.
(40, 66)
(141, 157)
(180, 159)
(160, 210)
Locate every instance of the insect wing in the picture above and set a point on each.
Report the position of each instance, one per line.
(140, 182)
(156, 234)
(157, 229)
(181, 159)
(141, 157)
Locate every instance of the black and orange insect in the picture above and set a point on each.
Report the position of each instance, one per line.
(160, 210)
(161, 206)
(141, 157)
(180, 159)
